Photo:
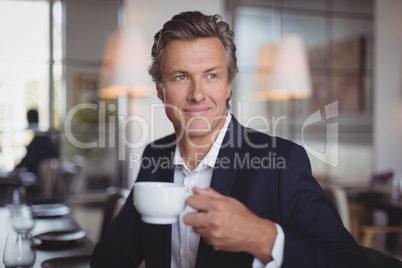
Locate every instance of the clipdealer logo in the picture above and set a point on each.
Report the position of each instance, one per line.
(330, 156)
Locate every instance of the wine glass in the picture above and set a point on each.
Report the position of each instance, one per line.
(16, 195)
(22, 218)
(22, 215)
(19, 250)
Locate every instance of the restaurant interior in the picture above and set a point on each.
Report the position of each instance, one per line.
(81, 65)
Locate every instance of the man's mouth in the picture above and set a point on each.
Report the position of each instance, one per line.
(196, 110)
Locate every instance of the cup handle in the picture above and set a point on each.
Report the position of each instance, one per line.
(187, 195)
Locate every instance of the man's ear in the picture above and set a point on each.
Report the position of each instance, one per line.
(160, 93)
(229, 91)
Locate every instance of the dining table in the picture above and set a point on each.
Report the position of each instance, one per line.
(81, 248)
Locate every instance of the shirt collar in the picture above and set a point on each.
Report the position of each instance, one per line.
(212, 155)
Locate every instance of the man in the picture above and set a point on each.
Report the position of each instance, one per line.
(244, 211)
(40, 148)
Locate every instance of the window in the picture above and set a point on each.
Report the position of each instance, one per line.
(24, 72)
(54, 77)
(338, 36)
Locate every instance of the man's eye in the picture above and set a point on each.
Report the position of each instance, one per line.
(212, 76)
(181, 77)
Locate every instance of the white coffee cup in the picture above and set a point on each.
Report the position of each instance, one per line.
(159, 202)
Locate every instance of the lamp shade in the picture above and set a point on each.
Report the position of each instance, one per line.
(126, 60)
(290, 75)
(265, 65)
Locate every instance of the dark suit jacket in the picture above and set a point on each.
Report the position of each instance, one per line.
(271, 176)
(41, 147)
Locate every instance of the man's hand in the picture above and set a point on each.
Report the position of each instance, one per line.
(226, 224)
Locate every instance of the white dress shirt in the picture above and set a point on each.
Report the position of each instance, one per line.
(184, 241)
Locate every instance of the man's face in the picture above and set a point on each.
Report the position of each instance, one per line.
(195, 86)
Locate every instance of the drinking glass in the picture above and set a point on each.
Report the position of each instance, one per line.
(19, 251)
(22, 215)
(22, 218)
(16, 195)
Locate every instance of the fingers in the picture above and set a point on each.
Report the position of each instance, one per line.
(206, 202)
(208, 192)
(203, 199)
(197, 219)
(227, 224)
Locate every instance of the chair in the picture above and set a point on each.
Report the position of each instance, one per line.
(69, 172)
(44, 191)
(356, 218)
(363, 220)
(114, 202)
(370, 231)
(5, 184)
(119, 205)
(48, 176)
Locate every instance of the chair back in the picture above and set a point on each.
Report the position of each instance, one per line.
(48, 176)
(70, 171)
(5, 184)
(116, 198)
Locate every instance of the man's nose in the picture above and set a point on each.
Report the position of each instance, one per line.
(196, 92)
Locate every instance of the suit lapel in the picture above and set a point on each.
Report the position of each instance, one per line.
(167, 229)
(165, 174)
(223, 177)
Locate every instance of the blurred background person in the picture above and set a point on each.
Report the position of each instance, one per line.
(40, 148)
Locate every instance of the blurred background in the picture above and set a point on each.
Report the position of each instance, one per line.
(61, 58)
